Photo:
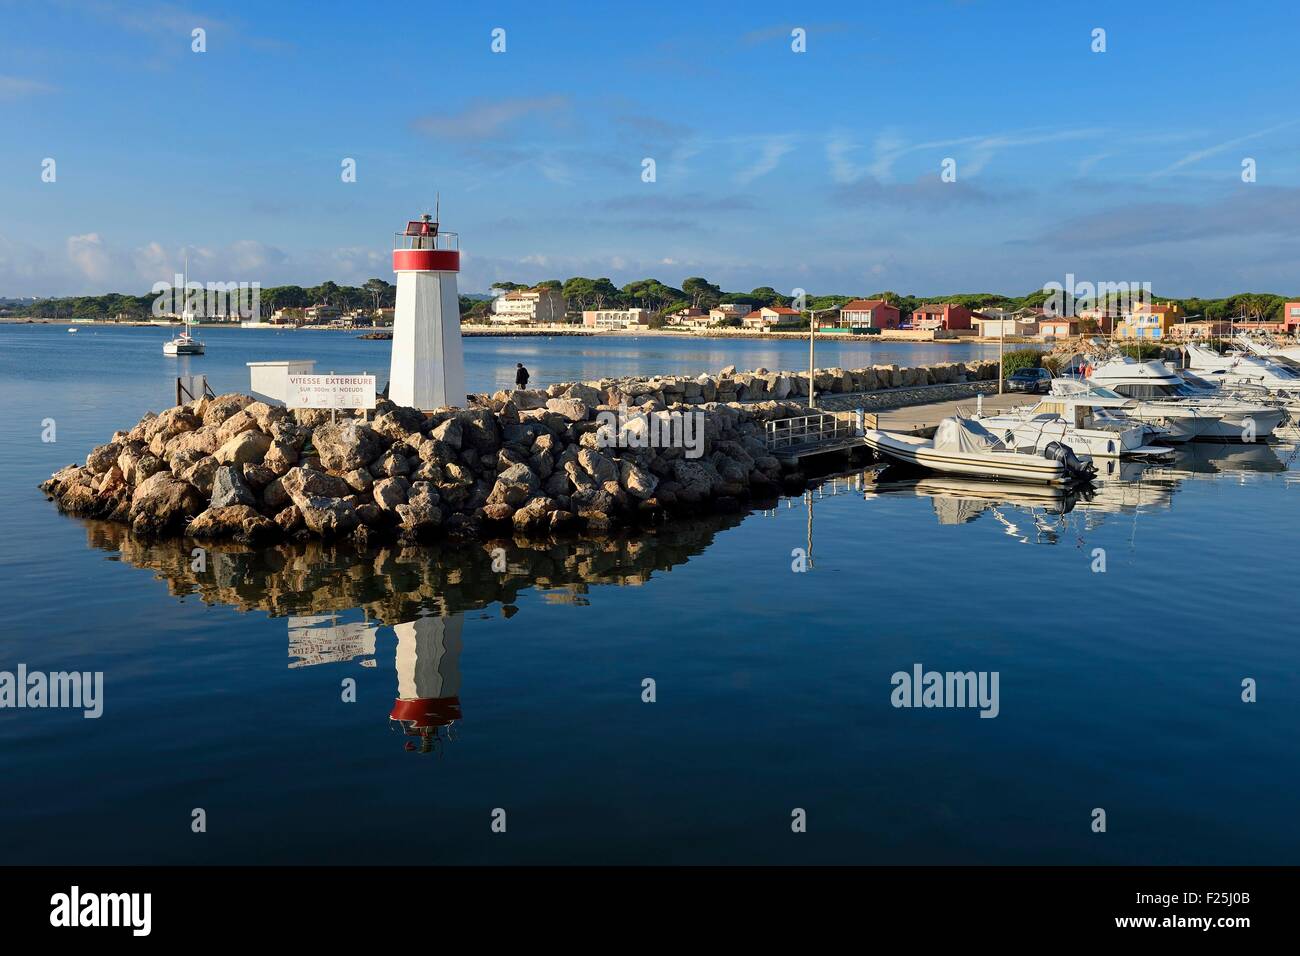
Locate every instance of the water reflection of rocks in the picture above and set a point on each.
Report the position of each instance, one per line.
(337, 596)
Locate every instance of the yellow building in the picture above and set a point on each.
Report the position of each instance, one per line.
(1150, 320)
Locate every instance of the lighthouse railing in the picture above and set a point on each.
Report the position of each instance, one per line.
(442, 240)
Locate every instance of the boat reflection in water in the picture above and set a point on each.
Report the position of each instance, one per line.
(1122, 487)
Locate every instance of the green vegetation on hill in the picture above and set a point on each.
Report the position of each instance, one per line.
(582, 293)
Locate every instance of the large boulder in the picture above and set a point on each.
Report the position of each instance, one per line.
(571, 409)
(242, 448)
(637, 481)
(514, 486)
(346, 445)
(235, 521)
(229, 488)
(479, 429)
(327, 517)
(103, 457)
(391, 492)
(421, 512)
(305, 482)
(449, 433)
(162, 503)
(399, 423)
(600, 468)
(223, 406)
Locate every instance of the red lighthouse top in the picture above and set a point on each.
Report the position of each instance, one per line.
(422, 248)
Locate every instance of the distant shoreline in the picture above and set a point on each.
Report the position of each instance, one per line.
(472, 331)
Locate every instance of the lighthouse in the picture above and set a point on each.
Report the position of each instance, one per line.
(428, 365)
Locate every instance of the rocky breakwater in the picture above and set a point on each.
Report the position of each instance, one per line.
(764, 385)
(534, 461)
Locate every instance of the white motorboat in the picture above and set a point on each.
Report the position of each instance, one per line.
(1092, 424)
(962, 446)
(1208, 412)
(185, 343)
(1269, 348)
(72, 330)
(1238, 368)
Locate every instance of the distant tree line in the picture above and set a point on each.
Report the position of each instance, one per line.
(581, 293)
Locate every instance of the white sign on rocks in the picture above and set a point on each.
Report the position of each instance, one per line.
(331, 391)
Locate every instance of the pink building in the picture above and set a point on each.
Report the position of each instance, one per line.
(941, 315)
(868, 314)
(1291, 316)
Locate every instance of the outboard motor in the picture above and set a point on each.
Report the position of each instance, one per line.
(1075, 467)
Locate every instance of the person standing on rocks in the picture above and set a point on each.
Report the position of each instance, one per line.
(521, 376)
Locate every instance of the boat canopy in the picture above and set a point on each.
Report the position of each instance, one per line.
(965, 435)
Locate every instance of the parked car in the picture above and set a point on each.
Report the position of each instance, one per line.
(1035, 381)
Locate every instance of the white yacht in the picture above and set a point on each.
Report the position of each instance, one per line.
(1164, 396)
(1238, 368)
(1092, 423)
(1269, 348)
(185, 343)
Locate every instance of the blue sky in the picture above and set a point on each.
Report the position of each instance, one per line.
(817, 170)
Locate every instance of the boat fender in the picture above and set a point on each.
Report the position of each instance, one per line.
(1074, 465)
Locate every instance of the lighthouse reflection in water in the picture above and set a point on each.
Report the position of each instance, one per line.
(427, 704)
(428, 679)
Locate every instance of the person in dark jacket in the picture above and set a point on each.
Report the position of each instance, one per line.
(521, 376)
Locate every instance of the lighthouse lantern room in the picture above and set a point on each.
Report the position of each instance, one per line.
(428, 364)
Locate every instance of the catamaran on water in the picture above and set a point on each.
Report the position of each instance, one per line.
(185, 343)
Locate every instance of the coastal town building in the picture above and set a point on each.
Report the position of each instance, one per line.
(772, 317)
(1291, 316)
(689, 319)
(941, 315)
(616, 318)
(1203, 329)
(728, 310)
(862, 314)
(1058, 328)
(999, 323)
(529, 307)
(315, 314)
(1150, 320)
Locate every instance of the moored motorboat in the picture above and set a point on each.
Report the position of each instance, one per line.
(1096, 426)
(1211, 412)
(962, 446)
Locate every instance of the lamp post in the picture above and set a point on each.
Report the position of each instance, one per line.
(1002, 340)
(812, 334)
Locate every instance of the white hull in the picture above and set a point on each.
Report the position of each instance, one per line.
(191, 348)
(921, 452)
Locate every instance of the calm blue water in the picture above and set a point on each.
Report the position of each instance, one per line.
(1118, 690)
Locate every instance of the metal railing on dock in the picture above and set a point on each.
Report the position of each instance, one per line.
(810, 430)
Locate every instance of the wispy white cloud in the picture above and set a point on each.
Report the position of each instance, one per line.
(15, 87)
(1200, 154)
(973, 153)
(768, 159)
(487, 118)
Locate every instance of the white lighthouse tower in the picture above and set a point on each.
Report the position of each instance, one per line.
(428, 367)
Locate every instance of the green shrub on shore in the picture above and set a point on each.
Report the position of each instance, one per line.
(1142, 352)
(1020, 358)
